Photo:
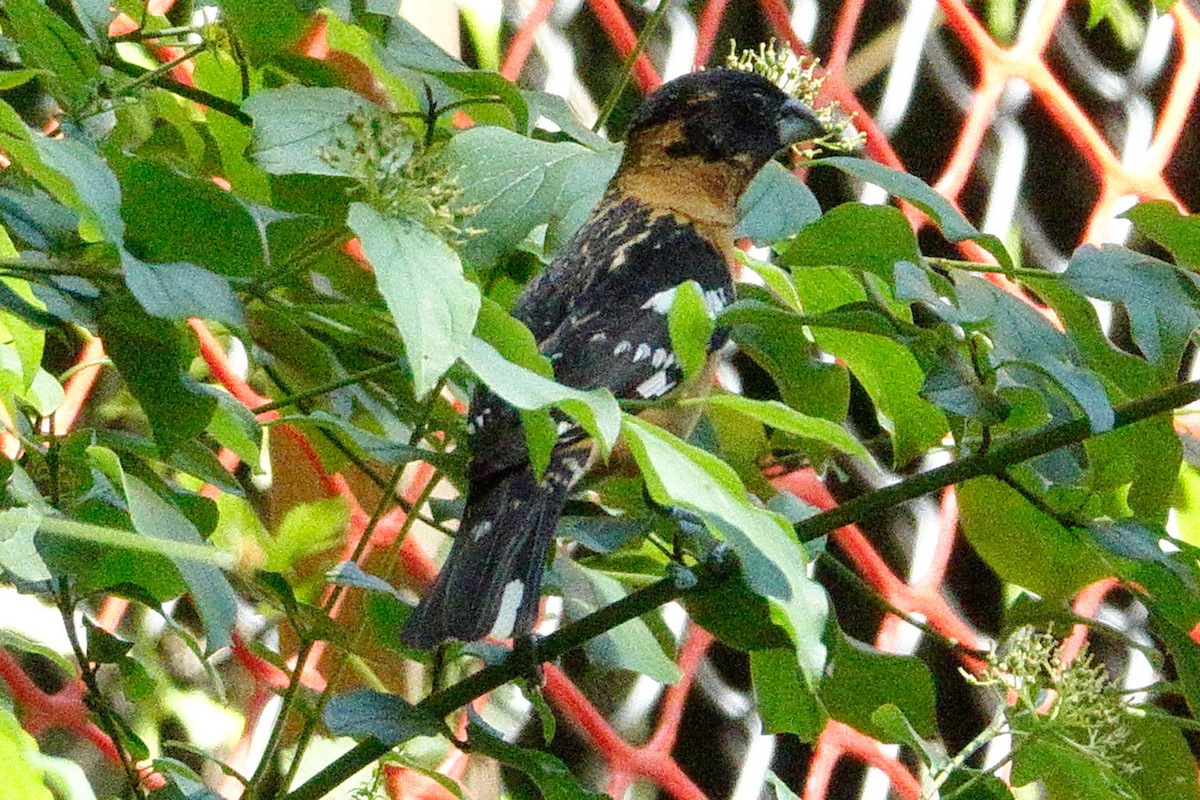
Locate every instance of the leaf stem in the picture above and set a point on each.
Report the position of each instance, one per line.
(143, 35)
(163, 81)
(993, 461)
(325, 388)
(670, 588)
(441, 703)
(98, 705)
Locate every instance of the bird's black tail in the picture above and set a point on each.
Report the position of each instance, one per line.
(491, 583)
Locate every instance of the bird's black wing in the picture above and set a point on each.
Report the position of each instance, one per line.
(600, 316)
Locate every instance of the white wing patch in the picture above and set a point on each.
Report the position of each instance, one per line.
(656, 385)
(714, 300)
(510, 603)
(661, 302)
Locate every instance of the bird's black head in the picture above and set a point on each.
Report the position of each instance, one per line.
(724, 115)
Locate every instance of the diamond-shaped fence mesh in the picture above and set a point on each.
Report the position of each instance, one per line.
(1043, 129)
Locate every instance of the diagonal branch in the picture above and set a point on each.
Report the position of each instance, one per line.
(999, 458)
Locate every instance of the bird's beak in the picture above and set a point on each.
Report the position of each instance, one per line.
(797, 123)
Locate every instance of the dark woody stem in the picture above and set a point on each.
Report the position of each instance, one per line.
(640, 602)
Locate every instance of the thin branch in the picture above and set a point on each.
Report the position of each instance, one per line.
(992, 462)
(441, 703)
(163, 81)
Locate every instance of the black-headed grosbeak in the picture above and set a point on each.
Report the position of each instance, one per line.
(599, 313)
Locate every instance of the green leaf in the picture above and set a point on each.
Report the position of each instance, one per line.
(890, 374)
(18, 143)
(689, 323)
(93, 191)
(295, 124)
(775, 206)
(153, 356)
(20, 758)
(488, 86)
(1128, 374)
(953, 225)
(595, 409)
(511, 338)
(421, 279)
(364, 442)
(306, 529)
(772, 561)
(1065, 772)
(861, 679)
(181, 290)
(11, 79)
(784, 699)
(210, 591)
(1133, 551)
(737, 616)
(781, 417)
(514, 183)
(631, 645)
(387, 718)
(102, 646)
(19, 557)
(267, 27)
(1161, 299)
(1134, 470)
(234, 426)
(775, 340)
(47, 42)
(870, 238)
(1185, 655)
(1022, 339)
(776, 280)
(550, 775)
(1024, 546)
(1166, 767)
(174, 217)
(1178, 233)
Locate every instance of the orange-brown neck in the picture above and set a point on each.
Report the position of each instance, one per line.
(706, 192)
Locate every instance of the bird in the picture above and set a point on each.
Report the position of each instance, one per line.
(599, 313)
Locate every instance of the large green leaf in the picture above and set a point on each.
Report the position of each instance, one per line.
(421, 280)
(387, 718)
(174, 217)
(170, 291)
(1178, 233)
(1161, 299)
(772, 561)
(1023, 545)
(781, 417)
(631, 645)
(775, 206)
(47, 42)
(785, 701)
(267, 27)
(862, 679)
(870, 238)
(210, 591)
(19, 757)
(950, 221)
(514, 183)
(153, 356)
(294, 125)
(1024, 340)
(595, 409)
